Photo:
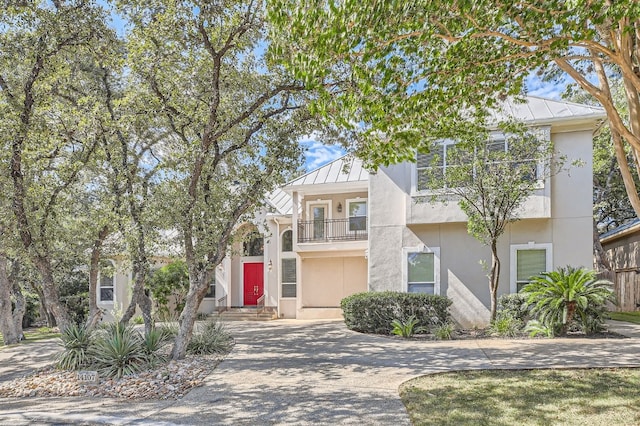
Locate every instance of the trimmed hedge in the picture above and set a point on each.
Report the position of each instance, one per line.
(373, 312)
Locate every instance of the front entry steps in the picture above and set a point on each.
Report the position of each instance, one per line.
(248, 314)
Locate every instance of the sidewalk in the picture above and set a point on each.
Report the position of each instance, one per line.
(318, 372)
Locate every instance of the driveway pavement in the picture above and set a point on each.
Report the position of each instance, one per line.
(298, 372)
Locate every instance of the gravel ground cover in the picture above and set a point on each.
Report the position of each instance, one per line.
(169, 381)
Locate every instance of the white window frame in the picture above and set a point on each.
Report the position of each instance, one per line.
(356, 200)
(543, 132)
(213, 284)
(513, 260)
(436, 265)
(286, 255)
(113, 286)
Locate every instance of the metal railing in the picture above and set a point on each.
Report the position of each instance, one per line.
(330, 230)
(260, 305)
(221, 306)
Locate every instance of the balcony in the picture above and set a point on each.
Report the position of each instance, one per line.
(332, 230)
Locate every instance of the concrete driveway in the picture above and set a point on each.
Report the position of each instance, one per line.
(295, 372)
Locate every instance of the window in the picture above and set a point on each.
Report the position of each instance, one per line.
(106, 282)
(357, 211)
(254, 246)
(528, 260)
(422, 270)
(287, 241)
(289, 277)
(211, 292)
(446, 155)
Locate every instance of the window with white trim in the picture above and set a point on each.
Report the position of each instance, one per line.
(287, 241)
(527, 261)
(422, 270)
(289, 284)
(357, 213)
(106, 290)
(211, 291)
(446, 155)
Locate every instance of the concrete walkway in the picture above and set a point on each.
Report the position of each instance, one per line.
(295, 372)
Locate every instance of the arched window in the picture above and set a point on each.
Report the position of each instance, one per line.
(287, 241)
(254, 246)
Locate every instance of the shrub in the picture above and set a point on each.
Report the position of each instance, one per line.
(373, 312)
(560, 297)
(211, 338)
(511, 316)
(170, 281)
(406, 328)
(444, 331)
(75, 341)
(514, 306)
(118, 350)
(138, 319)
(152, 344)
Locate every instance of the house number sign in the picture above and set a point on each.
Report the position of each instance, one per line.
(88, 377)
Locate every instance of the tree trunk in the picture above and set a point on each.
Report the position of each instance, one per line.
(7, 326)
(494, 279)
(51, 295)
(139, 298)
(95, 313)
(601, 260)
(20, 303)
(627, 177)
(197, 290)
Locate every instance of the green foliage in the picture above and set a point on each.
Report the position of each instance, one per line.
(75, 341)
(406, 328)
(444, 331)
(536, 328)
(558, 298)
(212, 338)
(373, 312)
(170, 281)
(118, 351)
(153, 343)
(511, 316)
(138, 319)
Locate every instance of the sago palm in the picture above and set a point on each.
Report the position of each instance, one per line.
(559, 297)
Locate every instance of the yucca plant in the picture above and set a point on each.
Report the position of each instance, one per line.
(153, 342)
(557, 298)
(118, 350)
(75, 341)
(211, 338)
(406, 328)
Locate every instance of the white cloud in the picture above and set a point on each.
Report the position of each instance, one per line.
(318, 154)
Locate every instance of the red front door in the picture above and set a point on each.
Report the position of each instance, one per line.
(253, 283)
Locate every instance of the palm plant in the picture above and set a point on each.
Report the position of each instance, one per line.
(559, 297)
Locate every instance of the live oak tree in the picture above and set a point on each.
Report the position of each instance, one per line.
(401, 72)
(46, 110)
(233, 121)
(490, 177)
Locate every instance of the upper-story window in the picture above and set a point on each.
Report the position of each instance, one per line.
(357, 211)
(254, 246)
(287, 241)
(447, 155)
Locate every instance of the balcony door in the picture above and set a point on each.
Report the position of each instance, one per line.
(319, 213)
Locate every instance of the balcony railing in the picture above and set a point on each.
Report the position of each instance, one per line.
(330, 230)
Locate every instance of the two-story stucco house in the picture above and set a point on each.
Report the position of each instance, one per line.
(339, 230)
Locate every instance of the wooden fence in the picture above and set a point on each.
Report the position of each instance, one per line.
(626, 284)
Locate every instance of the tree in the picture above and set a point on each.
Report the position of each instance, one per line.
(380, 66)
(171, 280)
(46, 111)
(491, 181)
(232, 121)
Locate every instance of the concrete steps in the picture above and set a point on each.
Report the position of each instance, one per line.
(246, 314)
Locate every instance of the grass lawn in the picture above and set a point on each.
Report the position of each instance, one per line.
(633, 317)
(35, 334)
(530, 397)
